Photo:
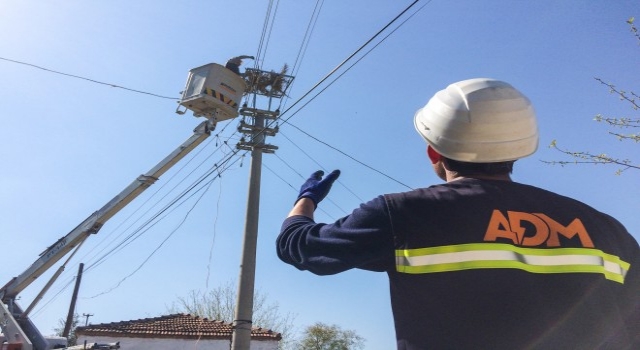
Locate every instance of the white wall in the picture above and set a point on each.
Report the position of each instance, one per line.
(175, 344)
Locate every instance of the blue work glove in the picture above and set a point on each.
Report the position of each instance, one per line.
(316, 188)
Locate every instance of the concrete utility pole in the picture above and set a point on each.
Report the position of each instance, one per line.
(86, 322)
(257, 132)
(72, 307)
(271, 85)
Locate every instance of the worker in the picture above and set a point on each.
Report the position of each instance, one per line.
(233, 64)
(480, 261)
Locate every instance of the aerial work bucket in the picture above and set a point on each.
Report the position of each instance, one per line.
(213, 91)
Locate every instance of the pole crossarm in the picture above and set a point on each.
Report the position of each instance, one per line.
(257, 132)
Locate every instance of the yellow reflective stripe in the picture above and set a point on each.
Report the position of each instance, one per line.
(498, 255)
(221, 97)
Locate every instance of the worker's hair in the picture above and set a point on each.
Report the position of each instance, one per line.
(466, 168)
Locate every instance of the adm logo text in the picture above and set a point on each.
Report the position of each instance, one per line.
(540, 229)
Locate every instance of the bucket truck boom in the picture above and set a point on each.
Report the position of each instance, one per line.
(15, 322)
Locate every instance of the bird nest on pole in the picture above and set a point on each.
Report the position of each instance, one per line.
(265, 83)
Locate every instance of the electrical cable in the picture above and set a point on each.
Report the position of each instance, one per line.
(350, 57)
(306, 39)
(352, 158)
(152, 221)
(152, 196)
(280, 118)
(184, 219)
(335, 69)
(158, 190)
(236, 151)
(273, 20)
(283, 180)
(213, 238)
(95, 264)
(339, 76)
(91, 80)
(327, 199)
(320, 165)
(259, 59)
(264, 32)
(146, 225)
(137, 234)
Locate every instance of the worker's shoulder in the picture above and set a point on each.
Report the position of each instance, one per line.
(474, 190)
(572, 207)
(464, 187)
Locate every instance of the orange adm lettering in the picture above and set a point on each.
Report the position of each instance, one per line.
(546, 230)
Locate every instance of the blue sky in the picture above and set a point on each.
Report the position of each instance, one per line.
(68, 145)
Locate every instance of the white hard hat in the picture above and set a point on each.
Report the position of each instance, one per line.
(479, 121)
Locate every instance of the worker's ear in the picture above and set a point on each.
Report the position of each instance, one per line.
(434, 156)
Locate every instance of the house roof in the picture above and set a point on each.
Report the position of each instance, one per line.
(176, 326)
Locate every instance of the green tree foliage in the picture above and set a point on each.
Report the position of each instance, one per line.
(219, 304)
(627, 125)
(320, 336)
(72, 338)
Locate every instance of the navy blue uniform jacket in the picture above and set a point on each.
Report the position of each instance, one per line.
(478, 264)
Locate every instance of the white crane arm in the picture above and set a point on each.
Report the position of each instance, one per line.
(93, 223)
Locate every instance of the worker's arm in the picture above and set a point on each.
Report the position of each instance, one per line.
(361, 240)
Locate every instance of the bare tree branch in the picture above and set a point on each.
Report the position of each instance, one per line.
(618, 122)
(589, 158)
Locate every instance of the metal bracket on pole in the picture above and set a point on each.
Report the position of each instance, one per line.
(253, 112)
(257, 133)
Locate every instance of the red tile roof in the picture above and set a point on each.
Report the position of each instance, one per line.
(176, 326)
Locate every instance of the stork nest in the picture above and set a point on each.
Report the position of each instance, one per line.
(266, 83)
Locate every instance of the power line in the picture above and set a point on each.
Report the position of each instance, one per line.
(265, 25)
(352, 65)
(315, 161)
(273, 21)
(87, 79)
(307, 36)
(155, 219)
(303, 47)
(184, 219)
(286, 120)
(319, 208)
(107, 236)
(235, 152)
(225, 163)
(147, 226)
(265, 36)
(352, 158)
(219, 167)
(349, 57)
